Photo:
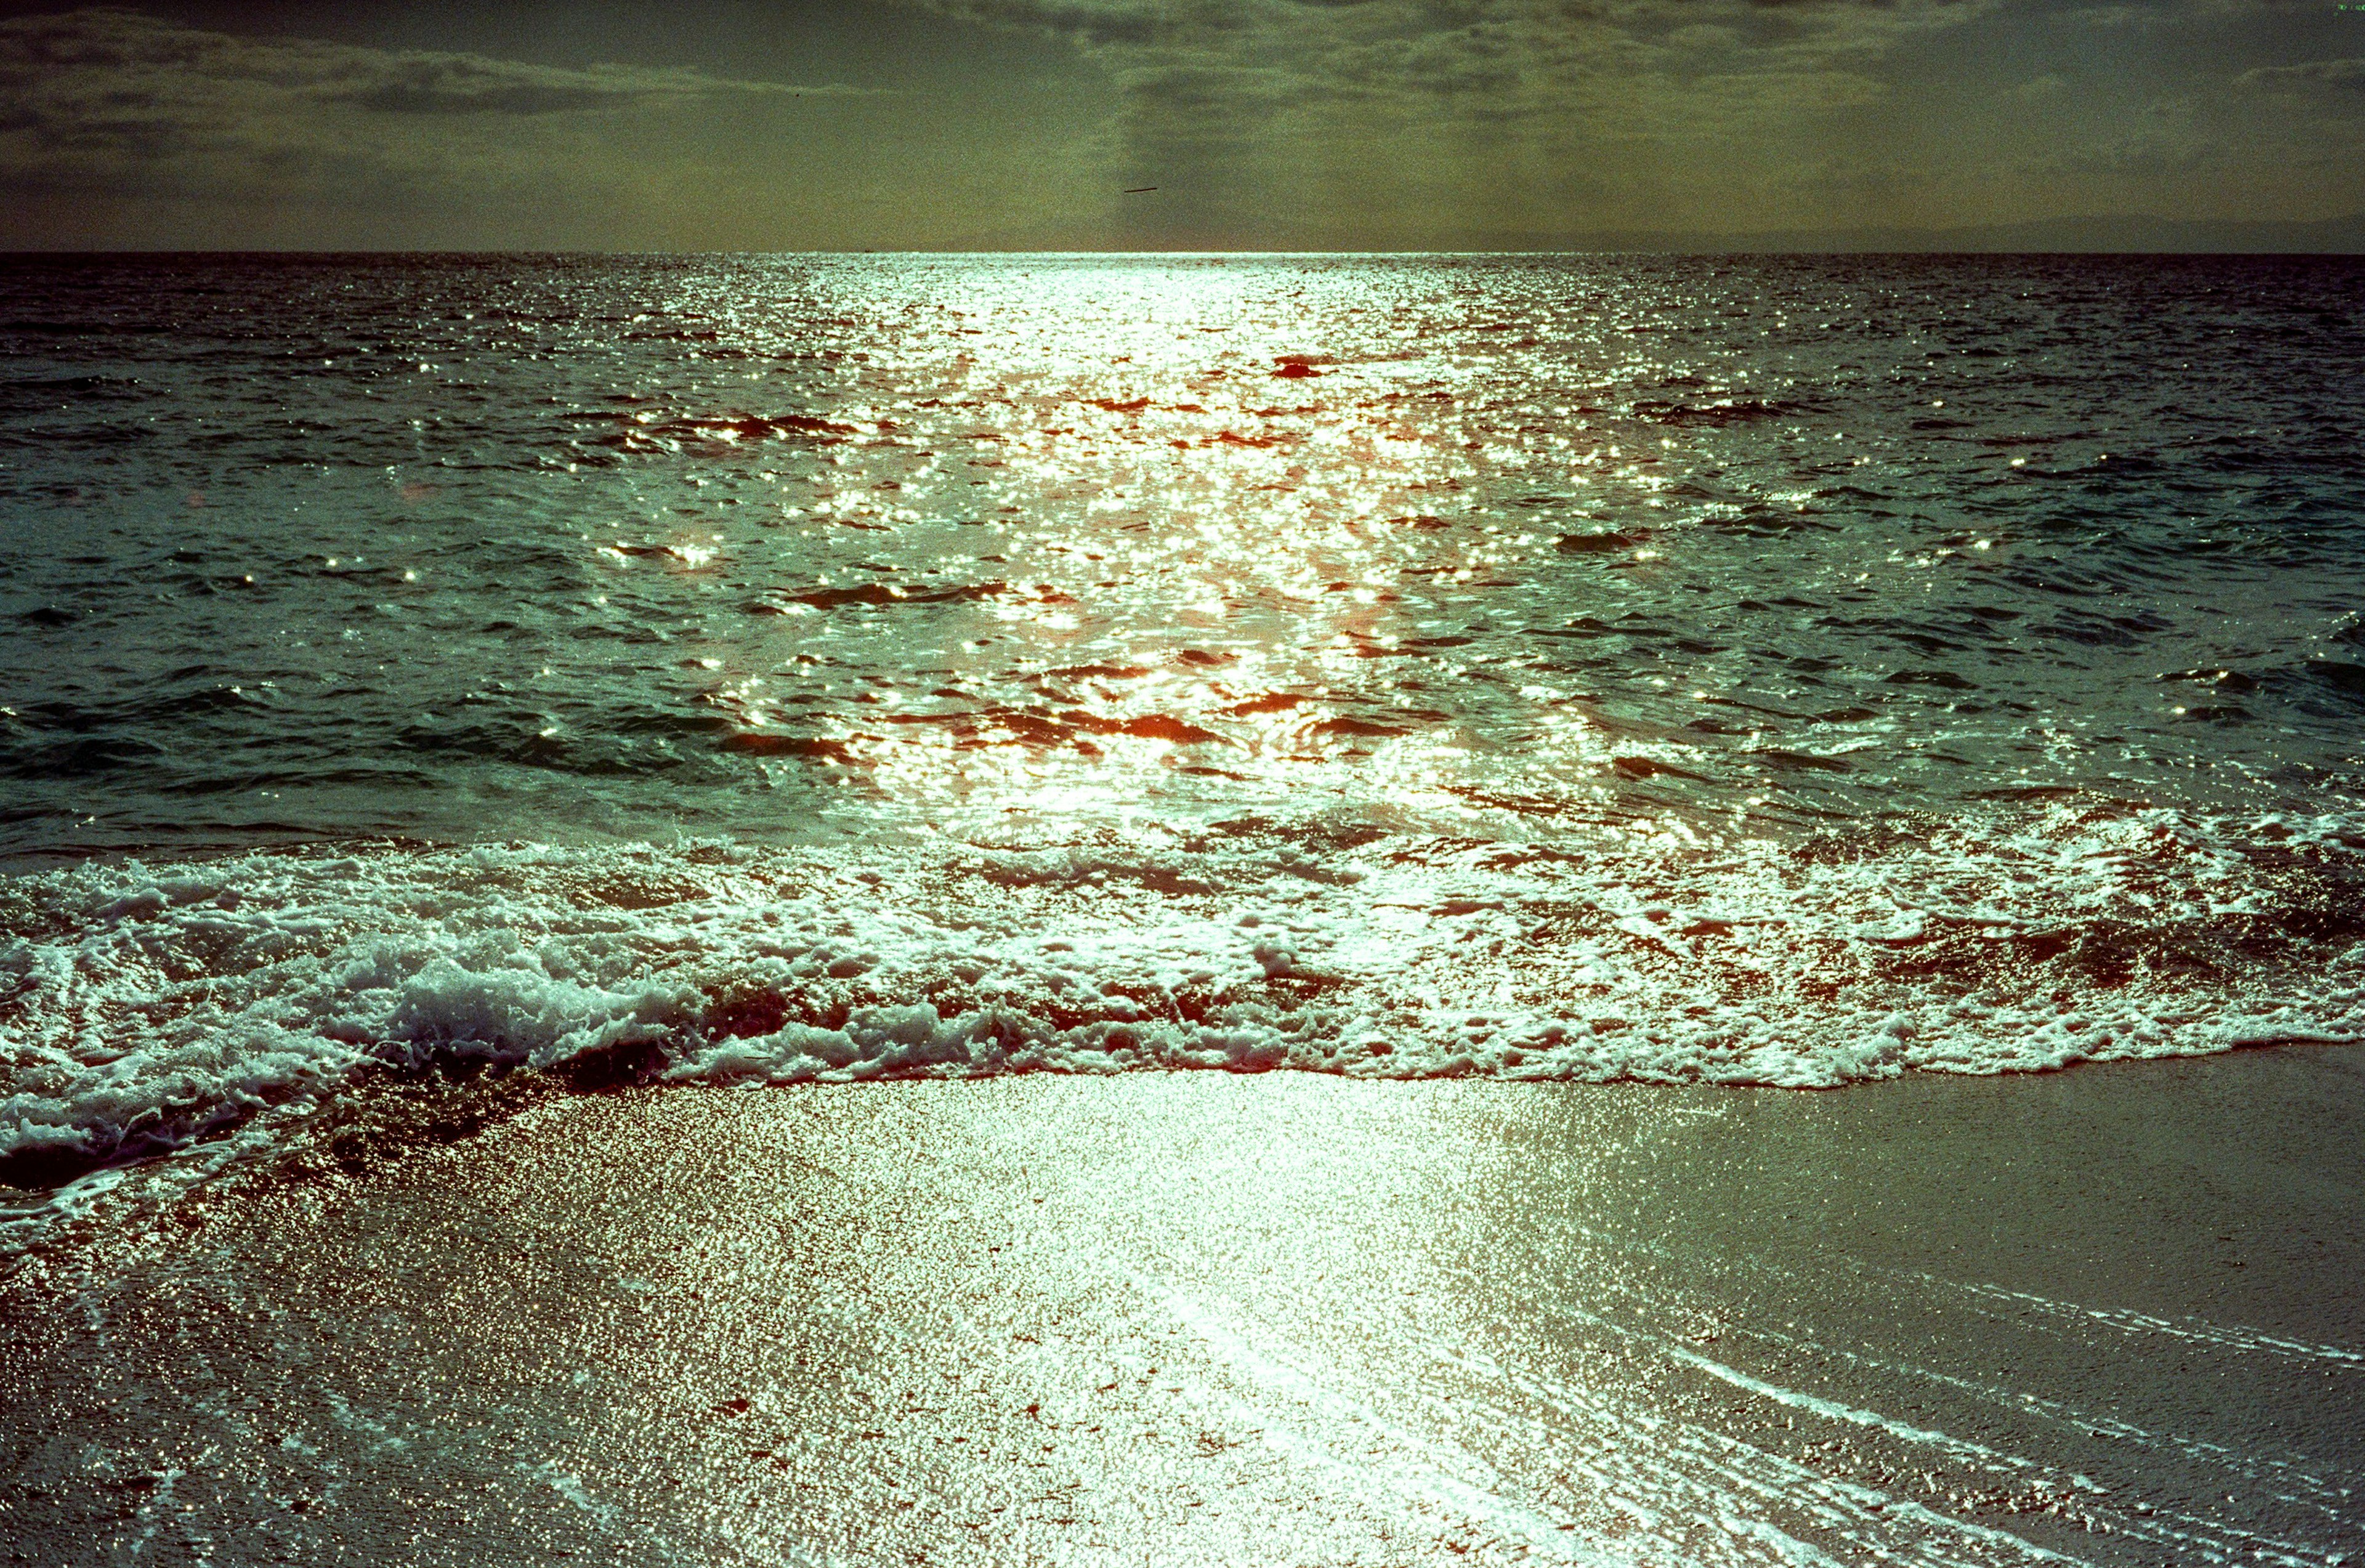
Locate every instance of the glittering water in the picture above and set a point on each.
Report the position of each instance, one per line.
(1776, 670)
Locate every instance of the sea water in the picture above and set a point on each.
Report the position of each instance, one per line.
(1754, 670)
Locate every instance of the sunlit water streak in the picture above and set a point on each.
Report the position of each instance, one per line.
(1776, 670)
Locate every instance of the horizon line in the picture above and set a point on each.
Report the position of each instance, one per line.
(294, 253)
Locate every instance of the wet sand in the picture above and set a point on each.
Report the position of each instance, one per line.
(2111, 1316)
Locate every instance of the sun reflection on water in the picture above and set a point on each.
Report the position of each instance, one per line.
(1218, 555)
(1188, 535)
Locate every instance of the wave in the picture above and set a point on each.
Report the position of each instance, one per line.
(145, 1006)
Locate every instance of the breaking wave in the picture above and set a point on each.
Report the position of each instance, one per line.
(143, 1006)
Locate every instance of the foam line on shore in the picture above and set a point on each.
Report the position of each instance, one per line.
(146, 1006)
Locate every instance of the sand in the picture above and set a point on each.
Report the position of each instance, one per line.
(2109, 1315)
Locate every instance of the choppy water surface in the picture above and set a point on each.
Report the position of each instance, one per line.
(1782, 670)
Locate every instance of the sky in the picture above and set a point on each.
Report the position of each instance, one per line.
(776, 125)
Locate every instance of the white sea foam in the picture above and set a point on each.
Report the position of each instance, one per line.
(142, 1006)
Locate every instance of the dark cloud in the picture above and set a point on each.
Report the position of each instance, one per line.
(125, 106)
(109, 96)
(112, 60)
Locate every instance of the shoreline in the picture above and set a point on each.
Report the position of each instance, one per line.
(447, 1099)
(2109, 1314)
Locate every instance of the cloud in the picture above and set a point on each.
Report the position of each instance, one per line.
(1491, 111)
(427, 84)
(97, 63)
(113, 107)
(1264, 123)
(2342, 75)
(98, 95)
(1430, 49)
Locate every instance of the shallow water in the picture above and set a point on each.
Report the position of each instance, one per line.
(1788, 670)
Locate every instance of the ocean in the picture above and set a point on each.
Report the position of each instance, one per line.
(1780, 671)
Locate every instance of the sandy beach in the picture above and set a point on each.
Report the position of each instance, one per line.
(2109, 1316)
